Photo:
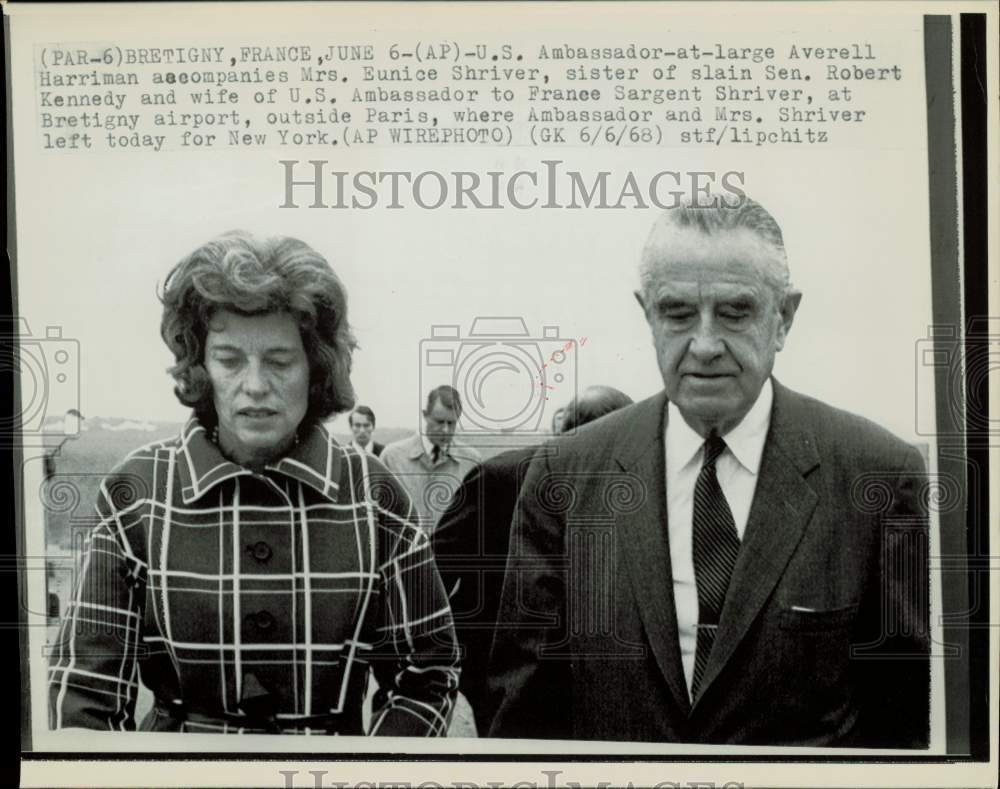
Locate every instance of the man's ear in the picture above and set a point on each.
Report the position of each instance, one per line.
(789, 306)
(642, 302)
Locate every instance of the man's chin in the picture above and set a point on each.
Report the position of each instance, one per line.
(707, 413)
(707, 405)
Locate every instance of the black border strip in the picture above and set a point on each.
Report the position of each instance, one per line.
(978, 429)
(947, 319)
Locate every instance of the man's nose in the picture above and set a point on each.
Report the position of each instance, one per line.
(706, 344)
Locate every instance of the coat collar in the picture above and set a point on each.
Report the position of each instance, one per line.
(415, 448)
(418, 448)
(314, 460)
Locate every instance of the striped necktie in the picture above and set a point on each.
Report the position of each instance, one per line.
(716, 546)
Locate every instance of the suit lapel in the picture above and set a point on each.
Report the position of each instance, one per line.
(782, 505)
(645, 543)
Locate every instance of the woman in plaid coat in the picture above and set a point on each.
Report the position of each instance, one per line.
(251, 571)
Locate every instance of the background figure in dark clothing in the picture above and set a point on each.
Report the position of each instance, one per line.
(593, 403)
(472, 539)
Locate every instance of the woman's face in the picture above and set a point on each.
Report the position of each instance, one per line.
(260, 383)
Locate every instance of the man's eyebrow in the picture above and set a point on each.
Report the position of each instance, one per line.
(748, 297)
(740, 291)
(671, 294)
(668, 300)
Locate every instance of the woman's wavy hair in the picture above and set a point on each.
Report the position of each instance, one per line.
(252, 276)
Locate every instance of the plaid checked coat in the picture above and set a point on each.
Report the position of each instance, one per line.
(255, 602)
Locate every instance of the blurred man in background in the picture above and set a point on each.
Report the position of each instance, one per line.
(432, 463)
(593, 403)
(362, 420)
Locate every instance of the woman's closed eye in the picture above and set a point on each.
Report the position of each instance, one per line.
(229, 362)
(280, 362)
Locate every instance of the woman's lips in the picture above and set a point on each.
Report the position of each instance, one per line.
(257, 413)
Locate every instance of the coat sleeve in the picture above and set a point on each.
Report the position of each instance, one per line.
(459, 534)
(93, 674)
(891, 651)
(418, 683)
(532, 689)
(460, 549)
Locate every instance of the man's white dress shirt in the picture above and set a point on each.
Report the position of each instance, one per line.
(737, 469)
(360, 448)
(429, 449)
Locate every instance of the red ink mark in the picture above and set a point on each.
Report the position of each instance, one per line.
(552, 359)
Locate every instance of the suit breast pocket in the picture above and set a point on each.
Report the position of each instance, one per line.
(815, 620)
(816, 657)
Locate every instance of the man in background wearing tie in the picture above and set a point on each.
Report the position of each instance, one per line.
(727, 561)
(362, 421)
(432, 464)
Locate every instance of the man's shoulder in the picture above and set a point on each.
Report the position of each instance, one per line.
(836, 430)
(628, 431)
(509, 460)
(399, 450)
(465, 452)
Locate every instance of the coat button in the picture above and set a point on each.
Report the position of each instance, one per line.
(260, 551)
(263, 620)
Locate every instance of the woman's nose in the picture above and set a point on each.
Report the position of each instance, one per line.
(254, 381)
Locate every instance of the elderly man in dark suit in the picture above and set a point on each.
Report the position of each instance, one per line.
(727, 561)
(472, 538)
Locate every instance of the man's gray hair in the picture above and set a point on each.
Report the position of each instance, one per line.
(710, 220)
